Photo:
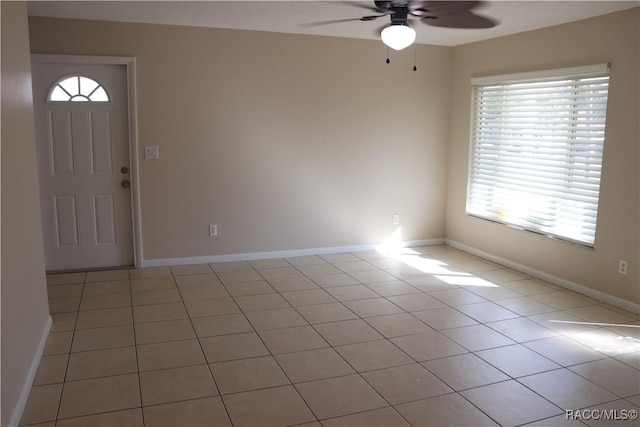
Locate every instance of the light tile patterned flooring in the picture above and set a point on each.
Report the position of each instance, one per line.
(432, 337)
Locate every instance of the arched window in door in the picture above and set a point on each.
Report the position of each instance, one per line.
(78, 88)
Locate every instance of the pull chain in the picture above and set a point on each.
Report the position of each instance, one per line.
(415, 55)
(388, 61)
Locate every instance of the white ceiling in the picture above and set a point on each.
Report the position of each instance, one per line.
(291, 16)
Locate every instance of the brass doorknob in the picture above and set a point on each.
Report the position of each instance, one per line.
(125, 183)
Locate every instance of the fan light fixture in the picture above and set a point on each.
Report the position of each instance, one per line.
(398, 36)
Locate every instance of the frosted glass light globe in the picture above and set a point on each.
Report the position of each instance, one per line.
(398, 36)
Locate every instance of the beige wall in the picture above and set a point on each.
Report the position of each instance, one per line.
(294, 142)
(612, 38)
(286, 142)
(24, 292)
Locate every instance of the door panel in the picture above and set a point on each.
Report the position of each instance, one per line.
(100, 136)
(104, 217)
(66, 221)
(61, 142)
(81, 148)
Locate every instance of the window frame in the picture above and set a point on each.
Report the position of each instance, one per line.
(553, 75)
(78, 76)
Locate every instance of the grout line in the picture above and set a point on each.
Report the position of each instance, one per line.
(73, 333)
(135, 343)
(392, 407)
(204, 354)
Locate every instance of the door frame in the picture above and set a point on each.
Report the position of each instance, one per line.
(130, 64)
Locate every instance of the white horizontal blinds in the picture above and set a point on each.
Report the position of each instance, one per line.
(537, 151)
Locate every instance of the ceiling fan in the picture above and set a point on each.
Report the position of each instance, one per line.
(399, 34)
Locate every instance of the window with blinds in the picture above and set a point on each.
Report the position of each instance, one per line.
(536, 155)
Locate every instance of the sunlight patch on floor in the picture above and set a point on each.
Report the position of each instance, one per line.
(605, 341)
(467, 280)
(394, 247)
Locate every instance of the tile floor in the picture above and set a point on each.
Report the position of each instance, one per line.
(431, 337)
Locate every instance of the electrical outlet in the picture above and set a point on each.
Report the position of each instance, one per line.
(213, 230)
(396, 219)
(622, 266)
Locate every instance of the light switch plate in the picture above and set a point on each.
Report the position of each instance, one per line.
(150, 152)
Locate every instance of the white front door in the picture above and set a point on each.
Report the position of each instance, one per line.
(82, 140)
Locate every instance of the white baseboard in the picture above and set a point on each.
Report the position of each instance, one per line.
(249, 256)
(31, 375)
(593, 293)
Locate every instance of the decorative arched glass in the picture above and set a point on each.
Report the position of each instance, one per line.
(78, 88)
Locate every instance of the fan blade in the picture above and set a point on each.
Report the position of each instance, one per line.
(460, 20)
(438, 8)
(373, 17)
(334, 21)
